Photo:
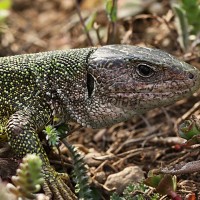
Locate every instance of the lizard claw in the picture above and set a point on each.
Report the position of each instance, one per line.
(55, 187)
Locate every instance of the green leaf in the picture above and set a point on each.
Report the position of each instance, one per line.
(5, 4)
(90, 21)
(154, 181)
(111, 10)
(182, 25)
(188, 129)
(192, 12)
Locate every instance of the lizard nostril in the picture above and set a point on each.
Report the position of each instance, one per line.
(190, 75)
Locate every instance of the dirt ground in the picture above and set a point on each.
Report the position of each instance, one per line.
(146, 142)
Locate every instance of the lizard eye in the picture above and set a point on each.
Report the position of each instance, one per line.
(90, 84)
(144, 70)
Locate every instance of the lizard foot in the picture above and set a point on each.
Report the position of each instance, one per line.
(55, 187)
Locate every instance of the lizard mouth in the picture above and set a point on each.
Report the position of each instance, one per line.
(147, 100)
(169, 88)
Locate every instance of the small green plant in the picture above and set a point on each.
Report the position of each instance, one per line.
(82, 188)
(88, 24)
(137, 191)
(111, 10)
(191, 9)
(28, 179)
(90, 21)
(165, 184)
(188, 15)
(52, 135)
(80, 174)
(190, 130)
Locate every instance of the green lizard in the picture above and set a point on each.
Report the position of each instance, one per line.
(95, 87)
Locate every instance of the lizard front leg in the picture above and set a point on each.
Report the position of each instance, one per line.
(22, 131)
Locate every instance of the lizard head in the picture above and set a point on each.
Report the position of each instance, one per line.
(112, 83)
(123, 81)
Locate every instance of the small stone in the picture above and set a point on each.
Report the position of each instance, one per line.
(119, 181)
(100, 177)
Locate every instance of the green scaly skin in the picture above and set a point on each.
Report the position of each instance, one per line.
(95, 87)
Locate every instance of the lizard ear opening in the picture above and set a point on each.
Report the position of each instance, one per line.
(90, 84)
